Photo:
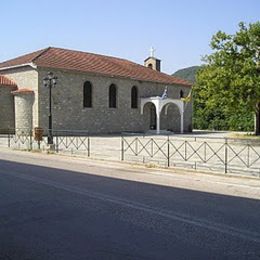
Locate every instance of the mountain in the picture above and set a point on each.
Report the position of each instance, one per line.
(187, 73)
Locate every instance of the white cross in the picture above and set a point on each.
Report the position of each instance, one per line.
(152, 50)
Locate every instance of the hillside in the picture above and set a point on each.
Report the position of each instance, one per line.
(187, 73)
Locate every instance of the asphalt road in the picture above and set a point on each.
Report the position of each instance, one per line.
(53, 213)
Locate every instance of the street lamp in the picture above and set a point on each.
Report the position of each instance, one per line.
(49, 82)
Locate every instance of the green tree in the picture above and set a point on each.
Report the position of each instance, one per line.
(228, 84)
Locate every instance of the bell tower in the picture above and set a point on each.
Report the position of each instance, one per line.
(152, 62)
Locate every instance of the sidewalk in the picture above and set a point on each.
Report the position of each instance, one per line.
(220, 184)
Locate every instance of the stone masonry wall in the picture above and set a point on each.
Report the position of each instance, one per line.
(6, 108)
(23, 110)
(69, 113)
(26, 77)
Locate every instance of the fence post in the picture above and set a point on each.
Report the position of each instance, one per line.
(122, 148)
(9, 141)
(152, 147)
(248, 155)
(88, 146)
(136, 146)
(30, 139)
(205, 151)
(168, 151)
(57, 143)
(185, 150)
(226, 156)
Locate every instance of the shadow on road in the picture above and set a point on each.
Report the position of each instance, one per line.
(49, 213)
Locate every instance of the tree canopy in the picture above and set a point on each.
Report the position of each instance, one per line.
(227, 89)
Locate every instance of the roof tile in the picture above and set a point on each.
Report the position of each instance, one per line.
(93, 63)
(23, 91)
(4, 81)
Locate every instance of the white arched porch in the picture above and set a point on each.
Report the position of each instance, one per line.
(159, 104)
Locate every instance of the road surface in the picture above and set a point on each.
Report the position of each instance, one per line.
(54, 207)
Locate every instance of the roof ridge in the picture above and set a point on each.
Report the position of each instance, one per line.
(26, 58)
(92, 53)
(41, 53)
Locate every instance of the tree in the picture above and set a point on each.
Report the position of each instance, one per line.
(230, 79)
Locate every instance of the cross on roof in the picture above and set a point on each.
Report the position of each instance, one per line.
(152, 51)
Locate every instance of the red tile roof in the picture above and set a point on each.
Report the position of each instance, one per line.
(6, 82)
(92, 63)
(23, 91)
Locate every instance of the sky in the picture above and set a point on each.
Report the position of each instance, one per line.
(180, 31)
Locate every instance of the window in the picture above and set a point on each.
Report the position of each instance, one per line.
(150, 66)
(134, 97)
(87, 95)
(181, 94)
(112, 96)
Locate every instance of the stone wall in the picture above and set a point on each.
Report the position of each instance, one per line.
(23, 110)
(6, 108)
(26, 77)
(69, 113)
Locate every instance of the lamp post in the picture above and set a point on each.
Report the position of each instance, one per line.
(49, 82)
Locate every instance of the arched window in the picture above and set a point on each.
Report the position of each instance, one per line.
(181, 94)
(87, 94)
(150, 66)
(112, 96)
(134, 97)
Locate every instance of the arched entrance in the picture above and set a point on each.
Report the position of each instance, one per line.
(161, 103)
(149, 110)
(170, 118)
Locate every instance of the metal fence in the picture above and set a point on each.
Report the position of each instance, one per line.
(216, 154)
(63, 141)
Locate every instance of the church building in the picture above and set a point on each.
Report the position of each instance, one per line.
(95, 93)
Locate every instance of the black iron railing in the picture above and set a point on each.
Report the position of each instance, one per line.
(216, 154)
(229, 155)
(63, 141)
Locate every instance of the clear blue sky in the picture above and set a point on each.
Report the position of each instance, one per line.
(180, 31)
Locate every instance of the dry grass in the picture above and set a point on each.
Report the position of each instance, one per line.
(246, 136)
